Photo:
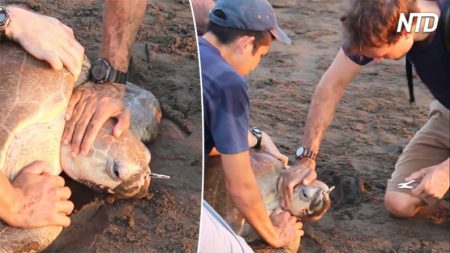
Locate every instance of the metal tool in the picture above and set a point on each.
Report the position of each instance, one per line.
(407, 185)
(160, 176)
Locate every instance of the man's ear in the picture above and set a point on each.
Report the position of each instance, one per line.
(245, 43)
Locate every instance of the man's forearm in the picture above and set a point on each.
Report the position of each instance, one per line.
(121, 20)
(6, 204)
(243, 189)
(321, 112)
(326, 97)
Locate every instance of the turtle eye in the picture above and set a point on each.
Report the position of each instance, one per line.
(112, 167)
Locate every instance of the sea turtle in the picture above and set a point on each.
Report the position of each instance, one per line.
(309, 202)
(33, 101)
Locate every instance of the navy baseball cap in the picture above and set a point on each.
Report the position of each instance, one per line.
(250, 15)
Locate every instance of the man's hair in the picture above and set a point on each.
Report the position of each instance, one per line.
(373, 23)
(227, 35)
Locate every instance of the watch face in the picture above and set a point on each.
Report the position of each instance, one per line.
(2, 17)
(300, 151)
(256, 130)
(99, 71)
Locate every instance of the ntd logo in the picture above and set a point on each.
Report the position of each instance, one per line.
(426, 27)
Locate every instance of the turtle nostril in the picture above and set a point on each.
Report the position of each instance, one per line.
(116, 169)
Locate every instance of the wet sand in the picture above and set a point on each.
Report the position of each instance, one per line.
(373, 123)
(164, 62)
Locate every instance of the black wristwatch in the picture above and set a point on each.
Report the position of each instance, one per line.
(4, 21)
(305, 152)
(103, 72)
(258, 134)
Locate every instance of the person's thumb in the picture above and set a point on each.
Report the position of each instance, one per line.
(310, 177)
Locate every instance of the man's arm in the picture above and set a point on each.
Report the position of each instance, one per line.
(242, 187)
(46, 38)
(434, 181)
(323, 105)
(268, 146)
(35, 198)
(91, 106)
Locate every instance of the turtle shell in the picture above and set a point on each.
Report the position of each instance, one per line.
(33, 100)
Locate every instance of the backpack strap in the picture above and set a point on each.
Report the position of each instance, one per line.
(447, 25)
(409, 77)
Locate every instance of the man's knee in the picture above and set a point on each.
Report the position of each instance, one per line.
(400, 204)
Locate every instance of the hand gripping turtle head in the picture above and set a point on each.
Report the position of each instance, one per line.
(119, 166)
(33, 102)
(34, 99)
(309, 203)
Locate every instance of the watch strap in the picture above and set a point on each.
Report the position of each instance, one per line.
(258, 134)
(116, 76)
(305, 152)
(112, 75)
(5, 22)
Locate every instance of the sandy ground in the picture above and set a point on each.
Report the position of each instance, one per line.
(373, 123)
(164, 62)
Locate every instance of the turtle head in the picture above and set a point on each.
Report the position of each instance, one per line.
(310, 202)
(119, 166)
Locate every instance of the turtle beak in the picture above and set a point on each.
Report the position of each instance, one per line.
(319, 206)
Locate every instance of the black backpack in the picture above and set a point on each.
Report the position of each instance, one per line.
(408, 65)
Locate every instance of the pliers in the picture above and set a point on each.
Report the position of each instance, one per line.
(407, 185)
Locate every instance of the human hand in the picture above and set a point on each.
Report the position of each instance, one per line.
(302, 172)
(89, 108)
(268, 146)
(40, 199)
(287, 227)
(434, 183)
(46, 38)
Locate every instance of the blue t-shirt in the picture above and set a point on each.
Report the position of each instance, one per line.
(225, 103)
(431, 61)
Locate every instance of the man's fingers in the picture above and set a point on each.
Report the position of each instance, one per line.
(98, 120)
(298, 225)
(300, 233)
(62, 220)
(58, 181)
(123, 123)
(81, 125)
(64, 193)
(70, 61)
(277, 211)
(310, 177)
(416, 175)
(292, 219)
(284, 159)
(76, 96)
(53, 59)
(418, 190)
(75, 116)
(65, 207)
(288, 192)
